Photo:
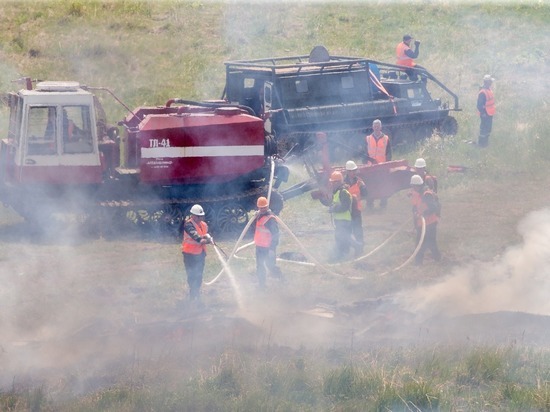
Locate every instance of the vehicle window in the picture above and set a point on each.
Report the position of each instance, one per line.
(77, 132)
(301, 86)
(42, 130)
(249, 83)
(347, 82)
(415, 93)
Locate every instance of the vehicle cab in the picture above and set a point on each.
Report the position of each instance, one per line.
(52, 137)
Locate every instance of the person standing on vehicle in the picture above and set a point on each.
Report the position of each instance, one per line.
(193, 247)
(358, 191)
(340, 209)
(420, 169)
(405, 55)
(378, 151)
(486, 109)
(425, 204)
(266, 239)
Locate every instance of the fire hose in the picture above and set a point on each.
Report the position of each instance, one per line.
(418, 246)
(234, 249)
(245, 230)
(211, 240)
(381, 245)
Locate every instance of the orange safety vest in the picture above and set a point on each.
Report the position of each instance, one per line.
(355, 191)
(262, 236)
(402, 58)
(190, 245)
(421, 208)
(377, 148)
(489, 101)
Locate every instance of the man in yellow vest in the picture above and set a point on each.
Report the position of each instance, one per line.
(378, 151)
(266, 239)
(486, 109)
(358, 191)
(425, 204)
(341, 215)
(193, 247)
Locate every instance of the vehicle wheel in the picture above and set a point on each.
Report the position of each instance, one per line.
(231, 218)
(209, 215)
(448, 127)
(405, 136)
(423, 132)
(173, 217)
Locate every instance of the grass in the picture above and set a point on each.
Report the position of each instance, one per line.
(148, 52)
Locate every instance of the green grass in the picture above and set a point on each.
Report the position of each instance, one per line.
(148, 52)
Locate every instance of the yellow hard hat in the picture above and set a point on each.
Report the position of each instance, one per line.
(262, 202)
(336, 176)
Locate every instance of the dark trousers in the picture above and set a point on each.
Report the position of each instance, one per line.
(357, 229)
(194, 267)
(429, 243)
(266, 260)
(342, 236)
(485, 127)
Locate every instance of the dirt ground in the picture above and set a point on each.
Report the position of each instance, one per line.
(79, 306)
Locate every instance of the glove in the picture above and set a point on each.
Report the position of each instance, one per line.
(209, 238)
(416, 43)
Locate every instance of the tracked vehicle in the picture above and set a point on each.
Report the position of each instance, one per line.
(298, 96)
(60, 157)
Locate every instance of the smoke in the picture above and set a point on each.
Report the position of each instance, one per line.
(518, 280)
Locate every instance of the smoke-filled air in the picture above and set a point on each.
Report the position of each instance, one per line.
(245, 206)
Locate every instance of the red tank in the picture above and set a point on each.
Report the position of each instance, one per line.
(196, 145)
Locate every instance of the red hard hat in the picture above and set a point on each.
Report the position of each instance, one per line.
(262, 202)
(336, 176)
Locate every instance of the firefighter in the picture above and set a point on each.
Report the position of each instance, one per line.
(193, 247)
(405, 55)
(341, 215)
(266, 239)
(486, 109)
(425, 203)
(358, 191)
(378, 151)
(420, 169)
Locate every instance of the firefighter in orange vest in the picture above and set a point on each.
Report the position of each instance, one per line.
(266, 239)
(405, 55)
(486, 109)
(420, 170)
(358, 191)
(340, 209)
(378, 151)
(425, 204)
(193, 247)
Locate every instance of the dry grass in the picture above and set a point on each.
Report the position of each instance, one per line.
(99, 324)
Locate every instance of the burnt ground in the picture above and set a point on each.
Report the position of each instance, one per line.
(74, 308)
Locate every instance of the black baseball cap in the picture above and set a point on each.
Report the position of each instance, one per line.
(407, 37)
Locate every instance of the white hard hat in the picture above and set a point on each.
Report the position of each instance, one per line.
(488, 77)
(351, 165)
(416, 180)
(420, 162)
(197, 210)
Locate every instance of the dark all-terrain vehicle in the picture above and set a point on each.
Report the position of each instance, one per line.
(300, 95)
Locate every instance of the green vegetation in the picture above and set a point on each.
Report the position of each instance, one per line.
(473, 379)
(150, 51)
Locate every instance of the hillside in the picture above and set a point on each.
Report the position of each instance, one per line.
(99, 324)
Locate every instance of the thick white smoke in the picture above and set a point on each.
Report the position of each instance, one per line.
(519, 280)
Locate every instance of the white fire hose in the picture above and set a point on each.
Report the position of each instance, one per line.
(418, 246)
